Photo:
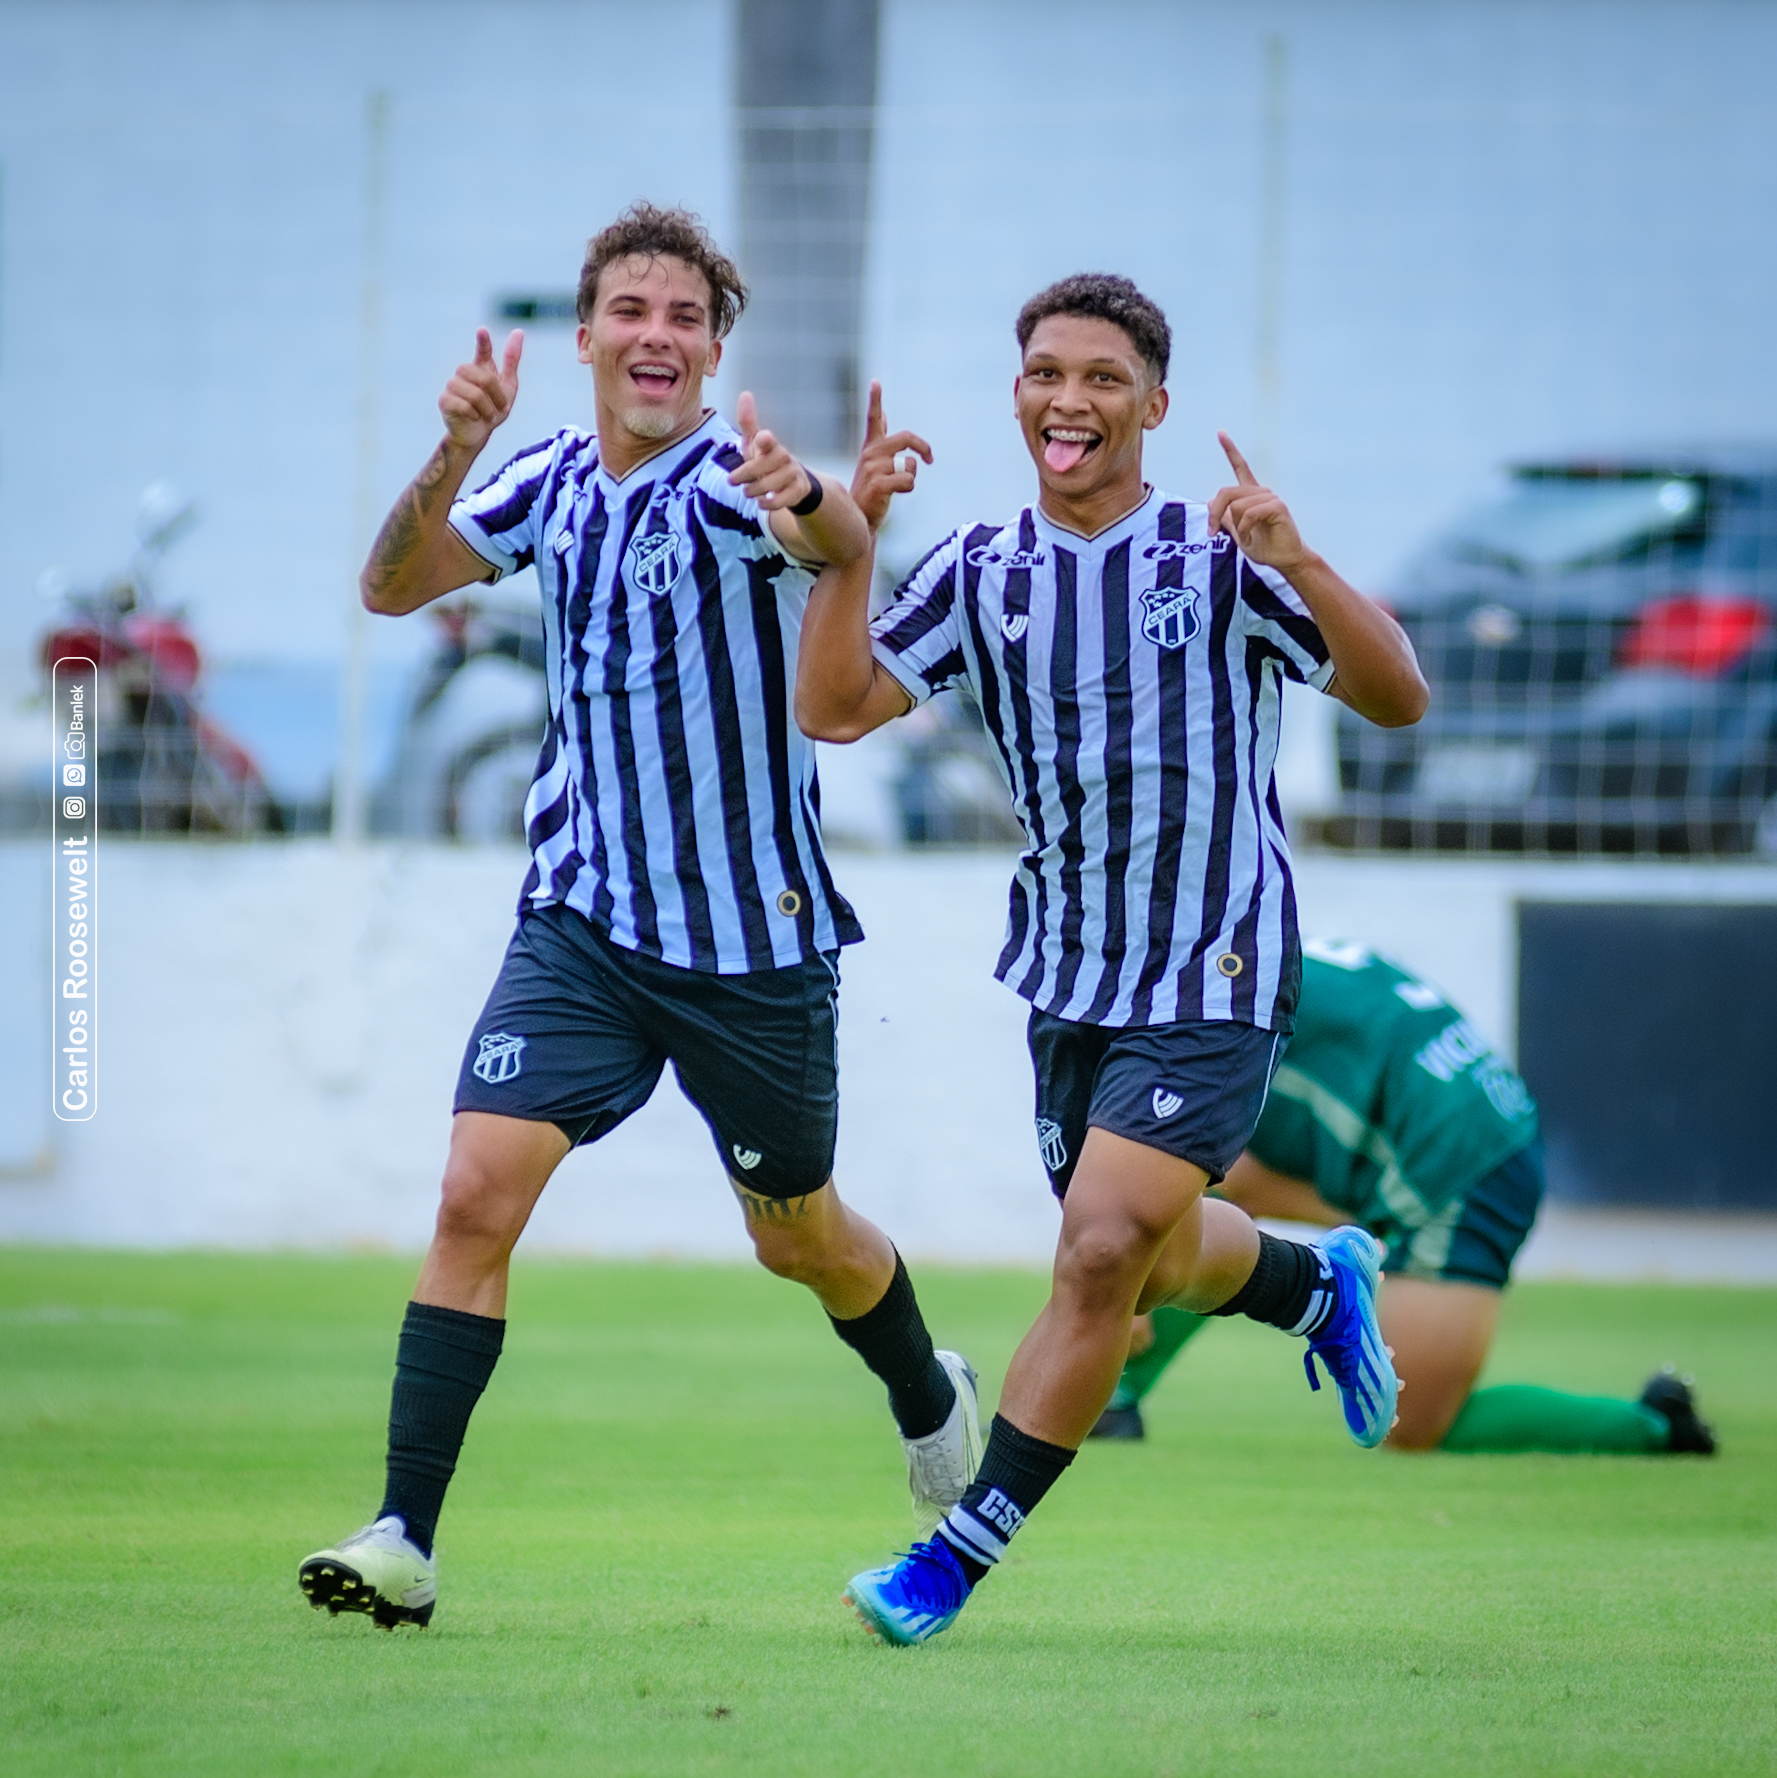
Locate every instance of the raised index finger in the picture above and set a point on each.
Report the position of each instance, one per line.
(874, 424)
(1242, 470)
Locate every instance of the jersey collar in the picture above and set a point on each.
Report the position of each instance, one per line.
(668, 458)
(1106, 539)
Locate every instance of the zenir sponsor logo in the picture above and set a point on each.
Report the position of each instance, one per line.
(1173, 549)
(500, 1057)
(655, 562)
(1169, 616)
(986, 556)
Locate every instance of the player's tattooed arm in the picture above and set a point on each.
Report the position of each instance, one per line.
(842, 690)
(762, 1209)
(417, 557)
(1375, 669)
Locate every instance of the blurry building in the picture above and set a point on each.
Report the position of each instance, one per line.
(1400, 243)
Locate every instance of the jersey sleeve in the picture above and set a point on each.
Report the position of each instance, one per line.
(499, 520)
(1273, 614)
(918, 634)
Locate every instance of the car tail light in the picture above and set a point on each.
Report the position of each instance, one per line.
(1694, 634)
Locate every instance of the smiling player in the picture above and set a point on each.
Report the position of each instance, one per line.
(1125, 649)
(678, 906)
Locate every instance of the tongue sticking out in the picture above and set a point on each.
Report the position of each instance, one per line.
(1061, 454)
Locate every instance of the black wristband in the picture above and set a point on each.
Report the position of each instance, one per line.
(809, 501)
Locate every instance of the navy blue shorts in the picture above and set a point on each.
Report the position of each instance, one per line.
(577, 1031)
(1194, 1090)
(1476, 1239)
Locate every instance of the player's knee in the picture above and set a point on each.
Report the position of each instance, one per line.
(1410, 1437)
(788, 1251)
(474, 1210)
(1102, 1261)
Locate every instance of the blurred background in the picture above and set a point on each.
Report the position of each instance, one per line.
(1482, 286)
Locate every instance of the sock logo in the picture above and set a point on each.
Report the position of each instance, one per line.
(1165, 1103)
(997, 1510)
(499, 1058)
(1050, 1142)
(748, 1158)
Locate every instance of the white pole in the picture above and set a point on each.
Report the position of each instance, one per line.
(1271, 244)
(349, 799)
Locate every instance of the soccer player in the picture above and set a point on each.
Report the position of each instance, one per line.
(1126, 650)
(678, 907)
(1390, 1110)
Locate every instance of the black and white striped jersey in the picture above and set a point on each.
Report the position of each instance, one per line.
(1131, 687)
(675, 802)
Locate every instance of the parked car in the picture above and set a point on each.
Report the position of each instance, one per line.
(1600, 646)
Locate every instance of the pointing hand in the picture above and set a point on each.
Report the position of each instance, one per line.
(1255, 518)
(481, 393)
(767, 471)
(882, 472)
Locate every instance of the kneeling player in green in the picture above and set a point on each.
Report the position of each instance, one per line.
(1390, 1110)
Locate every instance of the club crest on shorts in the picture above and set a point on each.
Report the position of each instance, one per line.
(499, 1058)
(1169, 616)
(1049, 1141)
(655, 561)
(1165, 1103)
(747, 1158)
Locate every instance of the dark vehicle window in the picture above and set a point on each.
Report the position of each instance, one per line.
(1547, 522)
(1744, 540)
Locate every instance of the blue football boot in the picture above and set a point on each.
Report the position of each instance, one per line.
(1350, 1345)
(913, 1600)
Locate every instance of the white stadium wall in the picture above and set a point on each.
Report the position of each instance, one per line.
(280, 1029)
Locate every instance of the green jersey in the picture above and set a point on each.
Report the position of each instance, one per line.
(1387, 1100)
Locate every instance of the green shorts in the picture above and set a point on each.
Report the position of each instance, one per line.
(1476, 1238)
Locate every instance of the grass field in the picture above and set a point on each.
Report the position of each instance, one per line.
(677, 1469)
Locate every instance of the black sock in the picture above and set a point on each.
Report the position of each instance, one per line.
(892, 1340)
(1016, 1472)
(442, 1364)
(1291, 1287)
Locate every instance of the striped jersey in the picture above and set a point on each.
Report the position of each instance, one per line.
(675, 802)
(1130, 685)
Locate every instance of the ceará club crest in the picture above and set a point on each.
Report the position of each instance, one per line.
(1169, 616)
(655, 561)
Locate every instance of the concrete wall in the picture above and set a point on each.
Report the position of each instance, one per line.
(281, 1028)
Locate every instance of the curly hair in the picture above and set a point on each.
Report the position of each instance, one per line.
(649, 230)
(1103, 296)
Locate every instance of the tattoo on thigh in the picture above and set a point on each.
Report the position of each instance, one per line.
(762, 1209)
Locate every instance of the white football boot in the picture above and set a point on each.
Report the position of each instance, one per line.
(943, 1463)
(379, 1570)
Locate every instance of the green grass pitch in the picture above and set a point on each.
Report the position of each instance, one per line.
(677, 1468)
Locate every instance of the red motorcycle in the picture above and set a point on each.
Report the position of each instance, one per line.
(161, 765)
